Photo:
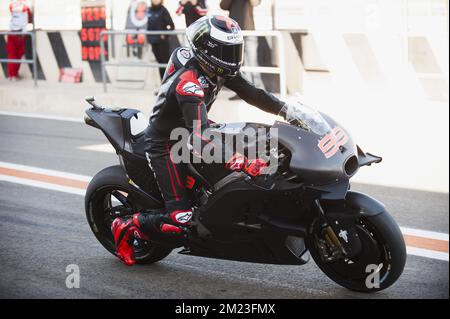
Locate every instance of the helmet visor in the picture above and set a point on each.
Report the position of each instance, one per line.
(226, 55)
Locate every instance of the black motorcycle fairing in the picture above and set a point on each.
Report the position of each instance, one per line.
(252, 224)
(367, 159)
(309, 162)
(263, 247)
(115, 124)
(241, 202)
(110, 123)
(333, 191)
(365, 204)
(354, 204)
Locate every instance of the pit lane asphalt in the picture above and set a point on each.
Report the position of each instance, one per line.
(43, 231)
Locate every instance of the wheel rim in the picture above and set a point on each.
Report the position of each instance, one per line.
(104, 203)
(374, 251)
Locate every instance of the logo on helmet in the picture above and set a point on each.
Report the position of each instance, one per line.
(229, 23)
(185, 54)
(212, 45)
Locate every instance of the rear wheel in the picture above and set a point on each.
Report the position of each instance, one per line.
(380, 261)
(107, 194)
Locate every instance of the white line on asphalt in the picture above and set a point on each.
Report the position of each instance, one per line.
(43, 116)
(49, 186)
(44, 171)
(427, 253)
(104, 148)
(424, 233)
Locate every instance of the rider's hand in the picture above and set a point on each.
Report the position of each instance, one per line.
(256, 167)
(237, 162)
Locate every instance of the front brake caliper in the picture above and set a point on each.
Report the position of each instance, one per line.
(329, 245)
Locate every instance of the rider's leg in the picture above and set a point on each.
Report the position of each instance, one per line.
(171, 179)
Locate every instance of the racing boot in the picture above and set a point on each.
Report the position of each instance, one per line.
(176, 221)
(125, 232)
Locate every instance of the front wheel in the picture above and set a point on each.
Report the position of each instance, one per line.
(380, 261)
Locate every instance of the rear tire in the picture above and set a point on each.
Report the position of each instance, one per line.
(98, 203)
(391, 252)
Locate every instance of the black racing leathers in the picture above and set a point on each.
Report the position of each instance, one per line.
(184, 99)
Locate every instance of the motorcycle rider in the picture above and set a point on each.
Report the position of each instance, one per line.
(192, 80)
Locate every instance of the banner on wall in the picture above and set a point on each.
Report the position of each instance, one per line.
(93, 22)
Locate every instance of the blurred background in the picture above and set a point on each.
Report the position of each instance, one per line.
(379, 67)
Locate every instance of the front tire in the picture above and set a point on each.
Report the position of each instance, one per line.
(108, 189)
(383, 245)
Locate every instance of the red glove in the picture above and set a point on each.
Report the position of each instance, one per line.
(256, 167)
(239, 162)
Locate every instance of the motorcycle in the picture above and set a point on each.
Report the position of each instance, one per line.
(303, 208)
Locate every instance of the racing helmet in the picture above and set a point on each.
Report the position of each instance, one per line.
(217, 44)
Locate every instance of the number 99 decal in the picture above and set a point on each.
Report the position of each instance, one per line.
(331, 142)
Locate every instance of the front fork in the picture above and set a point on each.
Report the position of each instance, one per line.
(327, 241)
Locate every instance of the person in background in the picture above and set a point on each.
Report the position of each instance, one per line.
(192, 10)
(242, 12)
(159, 19)
(20, 17)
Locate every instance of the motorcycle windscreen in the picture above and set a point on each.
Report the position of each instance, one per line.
(305, 117)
